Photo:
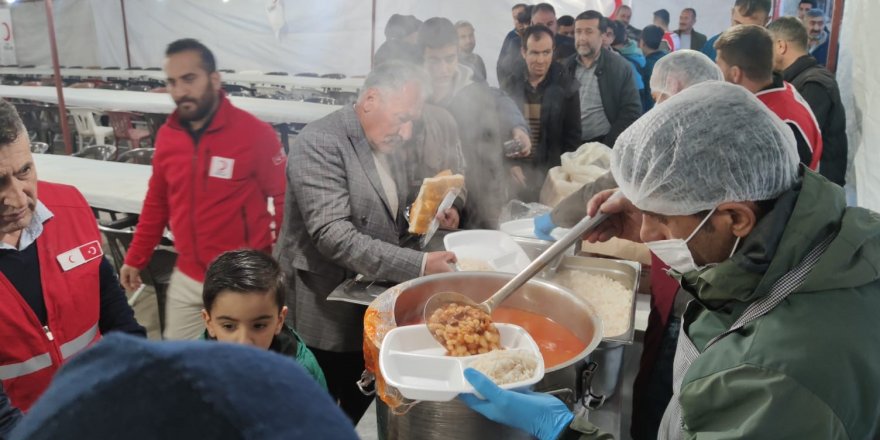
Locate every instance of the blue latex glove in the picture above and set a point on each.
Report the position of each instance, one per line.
(543, 226)
(541, 415)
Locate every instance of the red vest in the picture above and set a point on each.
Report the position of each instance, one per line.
(30, 353)
(788, 104)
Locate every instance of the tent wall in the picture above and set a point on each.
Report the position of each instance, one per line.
(860, 90)
(321, 36)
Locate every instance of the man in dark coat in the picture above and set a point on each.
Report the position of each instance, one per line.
(818, 87)
(549, 99)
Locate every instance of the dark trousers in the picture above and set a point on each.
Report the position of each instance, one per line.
(342, 371)
(653, 390)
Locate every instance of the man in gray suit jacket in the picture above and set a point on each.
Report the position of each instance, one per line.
(690, 39)
(346, 191)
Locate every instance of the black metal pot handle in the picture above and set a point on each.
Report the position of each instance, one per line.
(590, 400)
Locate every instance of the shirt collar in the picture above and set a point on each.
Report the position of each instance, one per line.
(32, 231)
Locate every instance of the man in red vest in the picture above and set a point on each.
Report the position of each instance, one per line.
(58, 292)
(745, 56)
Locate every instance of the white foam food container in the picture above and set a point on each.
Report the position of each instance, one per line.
(496, 248)
(412, 361)
(525, 227)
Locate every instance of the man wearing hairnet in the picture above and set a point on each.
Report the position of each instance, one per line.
(781, 339)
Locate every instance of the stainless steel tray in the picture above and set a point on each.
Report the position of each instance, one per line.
(623, 271)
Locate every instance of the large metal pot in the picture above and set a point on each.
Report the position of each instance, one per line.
(453, 420)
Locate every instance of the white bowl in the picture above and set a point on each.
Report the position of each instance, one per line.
(412, 361)
(496, 248)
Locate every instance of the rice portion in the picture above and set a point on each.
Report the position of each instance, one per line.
(506, 366)
(612, 301)
(474, 265)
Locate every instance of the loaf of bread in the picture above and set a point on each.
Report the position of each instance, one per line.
(430, 195)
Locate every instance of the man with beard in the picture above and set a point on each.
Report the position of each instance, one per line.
(624, 13)
(609, 98)
(819, 40)
(214, 169)
(346, 196)
(466, 44)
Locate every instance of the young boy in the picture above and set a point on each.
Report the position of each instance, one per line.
(243, 296)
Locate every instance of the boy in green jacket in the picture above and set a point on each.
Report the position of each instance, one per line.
(243, 296)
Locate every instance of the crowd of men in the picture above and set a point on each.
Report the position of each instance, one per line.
(341, 193)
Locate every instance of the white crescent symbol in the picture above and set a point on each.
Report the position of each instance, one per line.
(70, 258)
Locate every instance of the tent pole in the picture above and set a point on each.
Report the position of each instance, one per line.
(836, 20)
(373, 36)
(125, 31)
(62, 109)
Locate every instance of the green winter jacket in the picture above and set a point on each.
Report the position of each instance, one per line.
(290, 344)
(809, 369)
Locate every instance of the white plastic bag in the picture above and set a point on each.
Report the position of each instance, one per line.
(579, 167)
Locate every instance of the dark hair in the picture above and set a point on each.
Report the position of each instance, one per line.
(594, 15)
(663, 15)
(749, 7)
(789, 29)
(11, 126)
(547, 7)
(815, 13)
(243, 271)
(748, 47)
(652, 36)
(519, 5)
(811, 2)
(187, 44)
(619, 28)
(536, 30)
(525, 17)
(437, 32)
(692, 11)
(565, 20)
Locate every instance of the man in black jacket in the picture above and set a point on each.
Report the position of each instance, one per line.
(549, 100)
(609, 98)
(818, 87)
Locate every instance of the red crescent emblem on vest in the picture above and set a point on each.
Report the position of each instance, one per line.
(8, 35)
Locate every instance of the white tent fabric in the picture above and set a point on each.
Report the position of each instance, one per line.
(859, 82)
(326, 36)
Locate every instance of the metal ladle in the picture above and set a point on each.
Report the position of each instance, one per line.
(583, 227)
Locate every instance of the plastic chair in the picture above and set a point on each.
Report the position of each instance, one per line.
(143, 156)
(118, 235)
(86, 127)
(39, 147)
(124, 129)
(99, 152)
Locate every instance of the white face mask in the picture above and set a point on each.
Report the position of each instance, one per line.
(676, 253)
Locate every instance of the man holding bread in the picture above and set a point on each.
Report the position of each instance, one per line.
(346, 195)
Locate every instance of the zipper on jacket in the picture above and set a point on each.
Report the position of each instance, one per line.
(48, 332)
(247, 239)
(195, 172)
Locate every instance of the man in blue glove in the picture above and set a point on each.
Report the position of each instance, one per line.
(778, 283)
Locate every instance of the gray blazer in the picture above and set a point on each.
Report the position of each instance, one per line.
(337, 223)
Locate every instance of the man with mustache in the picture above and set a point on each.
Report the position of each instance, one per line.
(346, 194)
(214, 170)
(608, 95)
(549, 100)
(58, 294)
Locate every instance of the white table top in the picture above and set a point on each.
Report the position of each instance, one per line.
(346, 84)
(114, 186)
(272, 111)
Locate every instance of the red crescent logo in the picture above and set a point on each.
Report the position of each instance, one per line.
(8, 35)
(70, 258)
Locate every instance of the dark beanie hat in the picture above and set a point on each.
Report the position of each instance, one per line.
(400, 26)
(126, 387)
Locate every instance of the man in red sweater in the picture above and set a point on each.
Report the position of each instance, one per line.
(214, 169)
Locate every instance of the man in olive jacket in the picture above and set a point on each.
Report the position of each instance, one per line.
(780, 339)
